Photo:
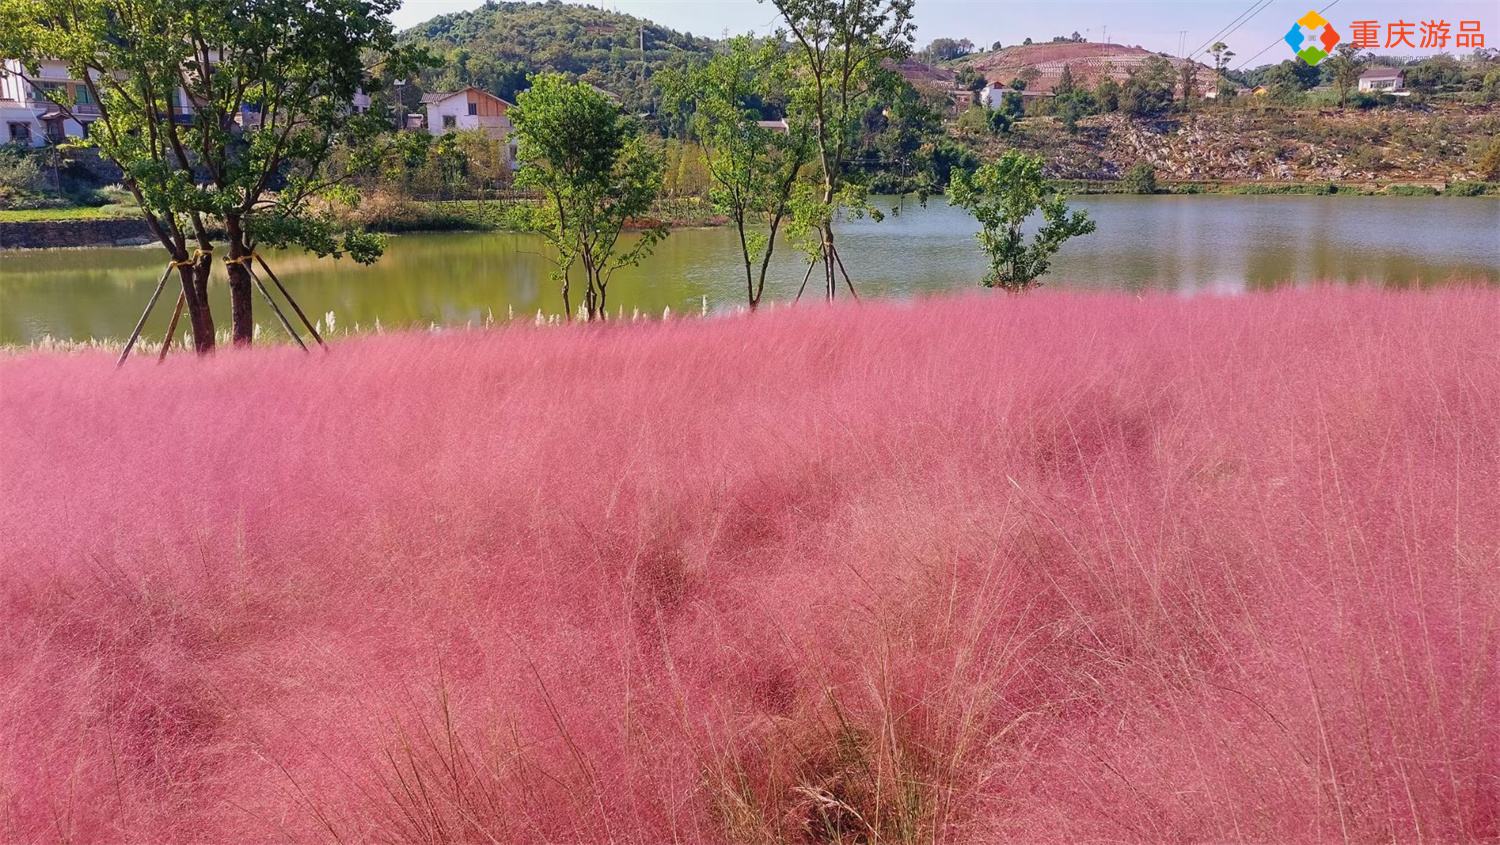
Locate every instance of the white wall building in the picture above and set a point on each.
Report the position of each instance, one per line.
(471, 108)
(1386, 79)
(28, 117)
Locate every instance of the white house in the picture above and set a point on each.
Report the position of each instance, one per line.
(30, 114)
(1383, 79)
(471, 108)
(993, 95)
(29, 118)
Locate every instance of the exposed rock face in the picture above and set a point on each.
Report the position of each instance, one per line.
(1088, 62)
(1251, 144)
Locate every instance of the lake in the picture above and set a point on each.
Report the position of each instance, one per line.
(1187, 244)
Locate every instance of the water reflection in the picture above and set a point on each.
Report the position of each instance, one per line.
(1188, 244)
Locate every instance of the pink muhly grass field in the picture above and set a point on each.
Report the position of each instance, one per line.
(989, 569)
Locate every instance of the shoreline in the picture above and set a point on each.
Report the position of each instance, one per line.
(76, 228)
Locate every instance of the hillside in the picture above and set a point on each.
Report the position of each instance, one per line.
(1089, 62)
(496, 45)
(1436, 144)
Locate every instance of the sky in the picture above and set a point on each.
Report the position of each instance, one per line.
(1156, 25)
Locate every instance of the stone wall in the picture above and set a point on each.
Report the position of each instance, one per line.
(125, 231)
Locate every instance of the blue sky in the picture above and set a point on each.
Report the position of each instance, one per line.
(1154, 25)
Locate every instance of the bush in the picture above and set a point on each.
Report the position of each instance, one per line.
(1141, 179)
(1489, 162)
(1411, 191)
(20, 173)
(1466, 189)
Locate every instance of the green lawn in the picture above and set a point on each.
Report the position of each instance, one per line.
(31, 215)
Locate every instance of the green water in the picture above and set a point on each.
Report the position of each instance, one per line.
(1187, 244)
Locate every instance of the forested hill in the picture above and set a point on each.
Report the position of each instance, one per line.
(496, 45)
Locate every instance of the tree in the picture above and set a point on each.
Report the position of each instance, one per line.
(1147, 91)
(843, 47)
(1072, 107)
(1289, 79)
(980, 120)
(947, 49)
(1346, 65)
(1222, 54)
(1064, 84)
(970, 79)
(1187, 79)
(1002, 195)
(222, 115)
(1107, 95)
(1489, 162)
(1141, 178)
(596, 173)
(754, 169)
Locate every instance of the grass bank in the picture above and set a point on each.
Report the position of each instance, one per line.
(976, 570)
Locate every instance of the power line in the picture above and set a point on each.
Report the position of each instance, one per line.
(1279, 40)
(1224, 31)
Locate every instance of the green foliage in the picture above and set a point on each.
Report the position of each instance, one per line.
(842, 49)
(1140, 179)
(1074, 106)
(1490, 87)
(1466, 189)
(596, 172)
(970, 79)
(1147, 91)
(19, 171)
(1489, 161)
(1065, 84)
(495, 46)
(1002, 196)
(982, 120)
(944, 157)
(1411, 191)
(1107, 95)
(1344, 68)
(1287, 81)
(269, 83)
(754, 169)
(947, 49)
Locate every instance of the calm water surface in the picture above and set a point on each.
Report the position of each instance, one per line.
(1186, 244)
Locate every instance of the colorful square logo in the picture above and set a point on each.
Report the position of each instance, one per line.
(1312, 38)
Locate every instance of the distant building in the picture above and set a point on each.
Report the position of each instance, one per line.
(993, 95)
(1213, 92)
(51, 106)
(1383, 80)
(28, 116)
(773, 125)
(471, 108)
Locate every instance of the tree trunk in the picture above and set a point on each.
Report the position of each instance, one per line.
(241, 303)
(200, 317)
(830, 273)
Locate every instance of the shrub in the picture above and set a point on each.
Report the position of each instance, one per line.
(19, 171)
(1466, 189)
(1140, 178)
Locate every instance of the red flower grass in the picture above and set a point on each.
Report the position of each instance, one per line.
(1053, 568)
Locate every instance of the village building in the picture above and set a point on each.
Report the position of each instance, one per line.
(1384, 80)
(472, 108)
(28, 117)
